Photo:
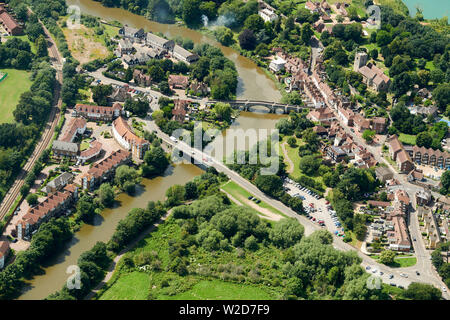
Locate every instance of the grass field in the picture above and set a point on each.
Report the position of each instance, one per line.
(132, 286)
(221, 290)
(215, 284)
(237, 192)
(15, 83)
(401, 262)
(407, 139)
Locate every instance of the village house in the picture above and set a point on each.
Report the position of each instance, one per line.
(55, 204)
(321, 115)
(312, 6)
(98, 113)
(125, 136)
(383, 174)
(268, 15)
(132, 33)
(277, 64)
(378, 124)
(9, 23)
(125, 47)
(159, 42)
(120, 94)
(336, 153)
(178, 81)
(399, 238)
(65, 149)
(180, 110)
(346, 115)
(141, 79)
(92, 152)
(184, 55)
(399, 155)
(75, 126)
(105, 169)
(372, 75)
(59, 182)
(199, 88)
(430, 227)
(360, 122)
(4, 250)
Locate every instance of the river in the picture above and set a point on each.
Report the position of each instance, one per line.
(432, 9)
(253, 84)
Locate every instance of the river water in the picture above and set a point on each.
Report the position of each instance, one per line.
(432, 9)
(253, 84)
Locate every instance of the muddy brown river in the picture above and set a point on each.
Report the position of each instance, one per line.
(253, 84)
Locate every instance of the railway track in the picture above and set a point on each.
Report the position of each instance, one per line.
(47, 135)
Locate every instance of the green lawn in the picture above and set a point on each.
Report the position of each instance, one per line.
(221, 290)
(407, 138)
(132, 286)
(15, 83)
(110, 30)
(295, 158)
(237, 191)
(401, 261)
(84, 146)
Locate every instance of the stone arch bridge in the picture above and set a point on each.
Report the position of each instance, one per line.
(245, 105)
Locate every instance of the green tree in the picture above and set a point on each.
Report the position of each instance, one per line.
(175, 195)
(270, 184)
(387, 257)
(306, 33)
(223, 111)
(247, 39)
(422, 291)
(368, 135)
(254, 22)
(41, 47)
(190, 12)
(32, 199)
(286, 233)
(424, 139)
(309, 164)
(224, 35)
(106, 194)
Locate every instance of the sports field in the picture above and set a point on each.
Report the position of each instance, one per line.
(15, 83)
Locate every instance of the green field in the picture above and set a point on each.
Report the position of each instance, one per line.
(132, 286)
(404, 262)
(15, 83)
(237, 191)
(407, 138)
(221, 290)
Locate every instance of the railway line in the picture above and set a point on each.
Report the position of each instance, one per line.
(47, 134)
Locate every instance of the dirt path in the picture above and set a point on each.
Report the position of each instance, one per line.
(286, 157)
(265, 213)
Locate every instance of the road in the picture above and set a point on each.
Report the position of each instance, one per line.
(423, 265)
(309, 226)
(49, 129)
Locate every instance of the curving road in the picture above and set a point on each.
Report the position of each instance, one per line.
(310, 227)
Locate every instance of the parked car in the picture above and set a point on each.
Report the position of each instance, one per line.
(391, 276)
(418, 273)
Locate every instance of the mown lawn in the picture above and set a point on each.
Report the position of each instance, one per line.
(15, 83)
(407, 138)
(235, 190)
(132, 286)
(221, 290)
